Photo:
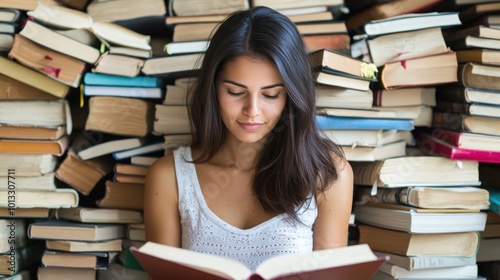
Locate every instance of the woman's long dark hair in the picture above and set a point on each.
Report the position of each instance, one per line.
(296, 161)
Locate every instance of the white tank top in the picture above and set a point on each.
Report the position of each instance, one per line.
(205, 232)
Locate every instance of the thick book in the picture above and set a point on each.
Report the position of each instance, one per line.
(389, 150)
(132, 117)
(29, 164)
(404, 45)
(38, 212)
(478, 75)
(51, 39)
(421, 71)
(352, 262)
(60, 67)
(171, 119)
(172, 67)
(13, 89)
(472, 42)
(53, 272)
(60, 197)
(336, 62)
(461, 197)
(403, 243)
(334, 122)
(367, 138)
(83, 175)
(60, 17)
(451, 272)
(466, 123)
(483, 56)
(43, 182)
(387, 9)
(55, 147)
(98, 215)
(190, 7)
(32, 132)
(33, 78)
(119, 65)
(122, 10)
(436, 146)
(36, 113)
(416, 171)
(468, 94)
(328, 78)
(405, 97)
(410, 22)
(339, 97)
(111, 245)
(92, 260)
(427, 261)
(415, 220)
(59, 230)
(119, 195)
(321, 27)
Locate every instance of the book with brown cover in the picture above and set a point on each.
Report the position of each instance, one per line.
(13, 89)
(58, 66)
(83, 175)
(340, 42)
(466, 123)
(351, 262)
(414, 244)
(122, 196)
(33, 146)
(478, 75)
(66, 230)
(483, 56)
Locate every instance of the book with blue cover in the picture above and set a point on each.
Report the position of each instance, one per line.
(494, 200)
(99, 79)
(336, 122)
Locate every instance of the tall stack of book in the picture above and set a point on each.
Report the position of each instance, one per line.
(487, 257)
(424, 212)
(467, 114)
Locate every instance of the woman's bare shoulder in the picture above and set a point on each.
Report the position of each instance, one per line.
(161, 173)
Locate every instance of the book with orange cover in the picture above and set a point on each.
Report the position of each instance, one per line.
(437, 146)
(351, 262)
(54, 147)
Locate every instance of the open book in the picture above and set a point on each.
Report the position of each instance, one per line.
(351, 262)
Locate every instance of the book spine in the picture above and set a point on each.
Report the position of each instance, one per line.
(436, 262)
(331, 122)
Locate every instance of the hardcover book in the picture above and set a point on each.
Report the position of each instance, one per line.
(352, 262)
(334, 122)
(414, 220)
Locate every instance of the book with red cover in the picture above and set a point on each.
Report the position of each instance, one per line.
(437, 146)
(351, 262)
(467, 140)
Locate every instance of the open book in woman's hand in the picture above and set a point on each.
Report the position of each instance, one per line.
(166, 262)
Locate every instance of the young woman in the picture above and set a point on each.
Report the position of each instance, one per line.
(259, 179)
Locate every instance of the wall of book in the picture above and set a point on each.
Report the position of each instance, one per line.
(93, 92)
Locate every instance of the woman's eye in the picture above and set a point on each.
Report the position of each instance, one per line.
(235, 93)
(275, 96)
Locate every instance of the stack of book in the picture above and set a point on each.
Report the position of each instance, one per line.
(418, 211)
(80, 241)
(9, 25)
(344, 107)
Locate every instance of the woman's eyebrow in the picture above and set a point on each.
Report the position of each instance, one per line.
(243, 86)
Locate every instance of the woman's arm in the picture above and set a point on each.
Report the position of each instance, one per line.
(161, 214)
(334, 210)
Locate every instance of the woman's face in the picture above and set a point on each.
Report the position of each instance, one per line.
(251, 98)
